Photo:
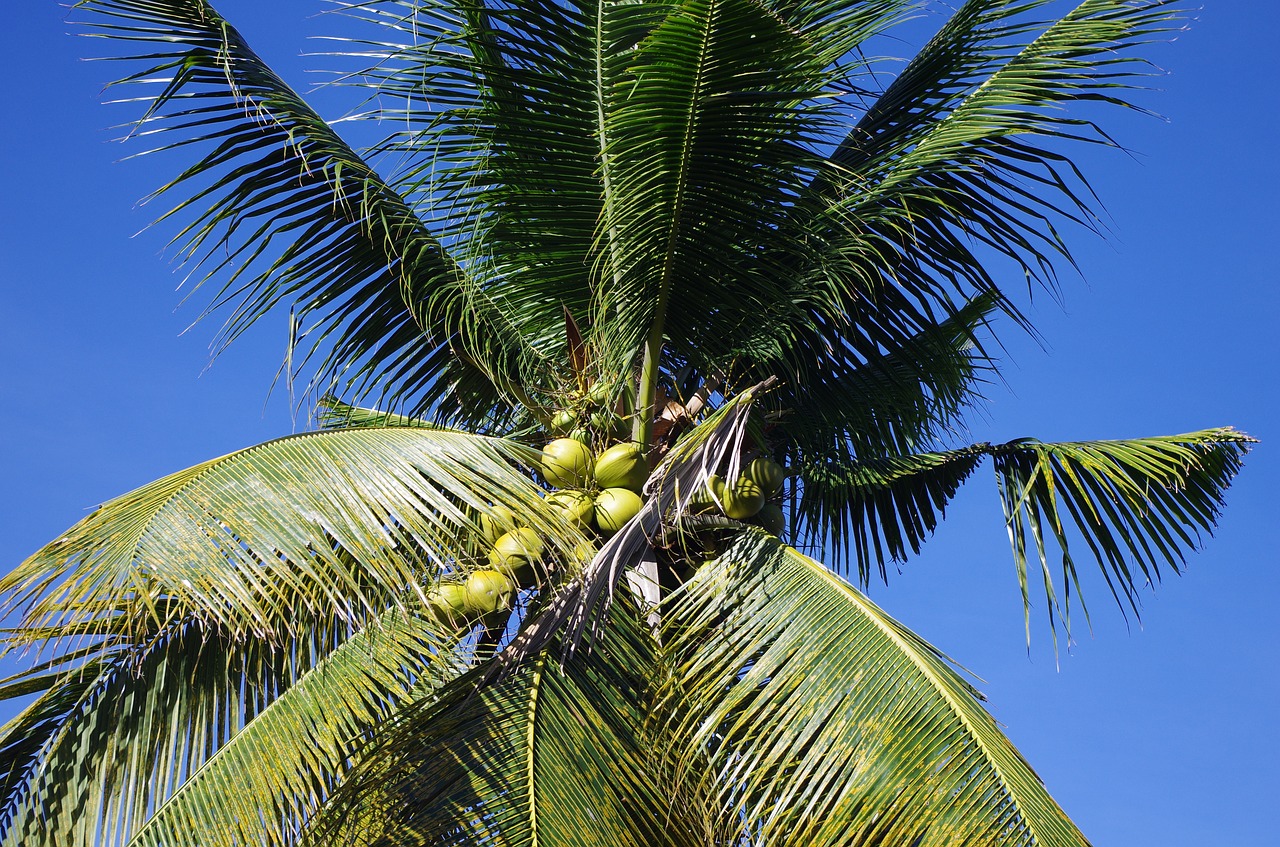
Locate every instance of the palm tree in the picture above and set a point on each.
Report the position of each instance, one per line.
(716, 253)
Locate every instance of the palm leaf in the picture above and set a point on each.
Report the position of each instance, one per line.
(826, 722)
(961, 154)
(276, 772)
(881, 394)
(1135, 503)
(879, 511)
(1138, 502)
(706, 134)
(344, 521)
(295, 216)
(551, 754)
(118, 732)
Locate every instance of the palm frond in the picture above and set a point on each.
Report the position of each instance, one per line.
(332, 413)
(344, 521)
(550, 754)
(1135, 503)
(274, 774)
(826, 722)
(877, 511)
(878, 395)
(960, 154)
(293, 216)
(117, 733)
(706, 141)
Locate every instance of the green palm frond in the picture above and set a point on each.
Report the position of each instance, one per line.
(296, 217)
(271, 777)
(332, 413)
(551, 754)
(506, 176)
(963, 149)
(117, 733)
(826, 722)
(27, 735)
(877, 511)
(884, 395)
(1135, 503)
(342, 520)
(706, 133)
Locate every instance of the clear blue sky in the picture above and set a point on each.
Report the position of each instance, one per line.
(1163, 734)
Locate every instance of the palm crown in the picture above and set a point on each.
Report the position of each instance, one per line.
(714, 230)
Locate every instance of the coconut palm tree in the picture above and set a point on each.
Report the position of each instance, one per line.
(634, 301)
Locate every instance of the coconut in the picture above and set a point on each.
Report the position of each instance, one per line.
(771, 519)
(563, 421)
(744, 499)
(496, 521)
(576, 507)
(601, 393)
(767, 474)
(567, 463)
(488, 591)
(515, 552)
(447, 603)
(614, 507)
(707, 498)
(608, 424)
(622, 466)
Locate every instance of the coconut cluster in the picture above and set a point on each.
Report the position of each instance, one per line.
(595, 493)
(753, 496)
(597, 415)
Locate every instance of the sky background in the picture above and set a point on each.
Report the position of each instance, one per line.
(1162, 734)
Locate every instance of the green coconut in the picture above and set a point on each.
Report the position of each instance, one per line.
(614, 507)
(576, 507)
(600, 393)
(608, 424)
(622, 466)
(744, 499)
(771, 519)
(447, 603)
(767, 474)
(489, 591)
(563, 421)
(496, 521)
(515, 553)
(567, 463)
(705, 498)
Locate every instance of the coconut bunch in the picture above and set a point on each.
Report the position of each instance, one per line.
(598, 416)
(597, 494)
(753, 496)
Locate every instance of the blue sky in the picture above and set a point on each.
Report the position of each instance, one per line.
(1162, 733)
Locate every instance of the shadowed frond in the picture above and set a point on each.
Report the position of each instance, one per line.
(121, 730)
(881, 395)
(293, 216)
(344, 521)
(879, 510)
(550, 754)
(274, 774)
(1138, 502)
(826, 722)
